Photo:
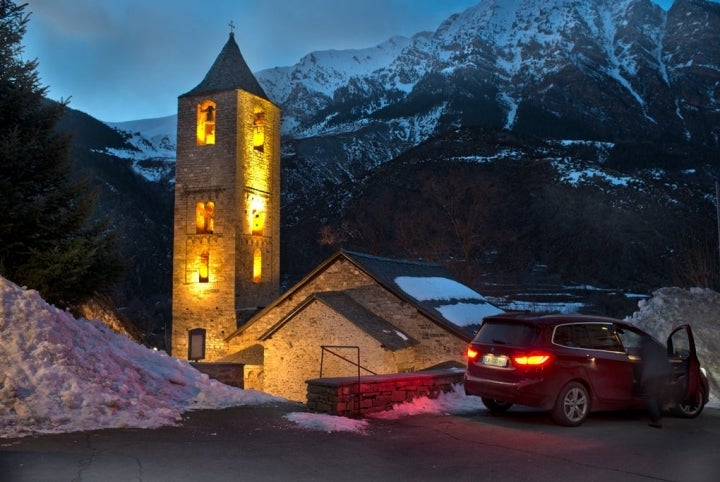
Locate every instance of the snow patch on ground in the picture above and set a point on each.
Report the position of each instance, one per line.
(327, 423)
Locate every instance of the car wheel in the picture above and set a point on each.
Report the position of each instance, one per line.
(496, 406)
(572, 405)
(688, 409)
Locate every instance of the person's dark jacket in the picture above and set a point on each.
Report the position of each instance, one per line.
(655, 364)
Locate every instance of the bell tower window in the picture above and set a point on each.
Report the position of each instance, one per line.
(257, 211)
(205, 217)
(259, 132)
(206, 113)
(257, 266)
(204, 267)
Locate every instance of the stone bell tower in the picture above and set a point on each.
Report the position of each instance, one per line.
(226, 250)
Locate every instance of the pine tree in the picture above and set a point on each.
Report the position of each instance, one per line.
(47, 239)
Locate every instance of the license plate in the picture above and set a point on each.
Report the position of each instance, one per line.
(495, 360)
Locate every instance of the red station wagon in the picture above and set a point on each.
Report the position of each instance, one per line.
(572, 365)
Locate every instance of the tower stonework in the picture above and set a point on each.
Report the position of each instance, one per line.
(226, 249)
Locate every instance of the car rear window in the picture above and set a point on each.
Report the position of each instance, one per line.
(498, 332)
(574, 336)
(595, 336)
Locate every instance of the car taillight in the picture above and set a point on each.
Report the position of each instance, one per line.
(472, 353)
(532, 359)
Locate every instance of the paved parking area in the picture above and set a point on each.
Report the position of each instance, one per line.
(257, 443)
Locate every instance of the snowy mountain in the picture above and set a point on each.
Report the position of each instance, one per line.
(604, 70)
(608, 110)
(151, 146)
(600, 69)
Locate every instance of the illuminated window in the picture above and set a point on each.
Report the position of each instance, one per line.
(259, 132)
(256, 214)
(204, 267)
(206, 123)
(257, 266)
(205, 217)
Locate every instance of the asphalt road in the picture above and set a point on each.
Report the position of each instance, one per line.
(259, 444)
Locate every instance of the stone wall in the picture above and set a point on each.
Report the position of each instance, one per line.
(348, 397)
(228, 373)
(338, 276)
(293, 353)
(437, 344)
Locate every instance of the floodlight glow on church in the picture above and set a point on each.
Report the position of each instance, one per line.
(226, 250)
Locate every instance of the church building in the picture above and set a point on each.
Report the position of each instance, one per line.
(226, 249)
(396, 316)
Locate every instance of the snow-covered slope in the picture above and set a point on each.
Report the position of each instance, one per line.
(588, 70)
(616, 65)
(154, 142)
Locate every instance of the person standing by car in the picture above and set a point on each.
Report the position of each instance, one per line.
(654, 377)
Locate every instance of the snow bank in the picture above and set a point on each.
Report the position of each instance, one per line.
(60, 374)
(700, 308)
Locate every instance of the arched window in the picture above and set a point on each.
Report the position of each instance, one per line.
(259, 132)
(206, 114)
(205, 217)
(257, 266)
(204, 267)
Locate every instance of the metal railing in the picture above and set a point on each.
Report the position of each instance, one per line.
(329, 349)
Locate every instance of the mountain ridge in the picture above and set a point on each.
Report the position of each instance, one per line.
(623, 131)
(508, 49)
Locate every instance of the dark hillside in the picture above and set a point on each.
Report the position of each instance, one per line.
(140, 210)
(89, 133)
(497, 208)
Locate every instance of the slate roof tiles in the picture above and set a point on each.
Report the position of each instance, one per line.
(229, 72)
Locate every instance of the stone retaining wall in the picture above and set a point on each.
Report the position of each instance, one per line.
(347, 397)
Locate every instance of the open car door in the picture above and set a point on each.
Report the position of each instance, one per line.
(686, 384)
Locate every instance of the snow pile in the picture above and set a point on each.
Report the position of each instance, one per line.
(60, 374)
(700, 308)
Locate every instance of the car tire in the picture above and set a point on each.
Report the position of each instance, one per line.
(572, 405)
(687, 409)
(496, 406)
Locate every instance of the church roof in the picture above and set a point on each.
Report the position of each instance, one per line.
(341, 302)
(428, 287)
(229, 72)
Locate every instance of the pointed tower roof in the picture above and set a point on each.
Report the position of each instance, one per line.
(229, 72)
